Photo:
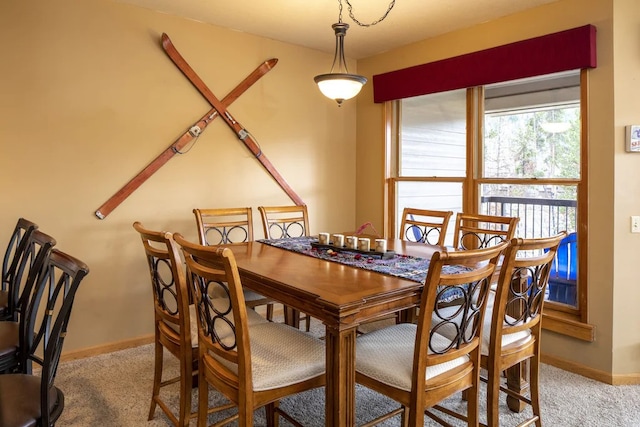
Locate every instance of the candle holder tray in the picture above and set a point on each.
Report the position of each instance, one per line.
(371, 253)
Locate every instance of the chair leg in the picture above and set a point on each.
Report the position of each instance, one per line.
(273, 419)
(534, 384)
(157, 378)
(404, 418)
(472, 404)
(203, 400)
(308, 323)
(493, 398)
(270, 312)
(186, 384)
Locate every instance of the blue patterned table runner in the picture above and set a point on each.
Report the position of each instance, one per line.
(403, 266)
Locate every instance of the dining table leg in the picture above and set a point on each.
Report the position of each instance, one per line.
(340, 387)
(517, 380)
(292, 316)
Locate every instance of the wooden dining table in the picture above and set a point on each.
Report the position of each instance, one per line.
(341, 296)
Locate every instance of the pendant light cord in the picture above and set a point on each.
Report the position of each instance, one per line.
(350, 7)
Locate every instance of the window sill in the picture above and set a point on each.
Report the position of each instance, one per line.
(567, 324)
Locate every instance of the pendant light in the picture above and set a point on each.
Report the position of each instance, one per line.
(339, 84)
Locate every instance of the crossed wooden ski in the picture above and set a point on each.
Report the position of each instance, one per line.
(194, 131)
(240, 131)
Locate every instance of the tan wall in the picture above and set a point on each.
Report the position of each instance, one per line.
(613, 174)
(626, 319)
(89, 98)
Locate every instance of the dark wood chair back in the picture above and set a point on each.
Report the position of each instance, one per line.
(46, 318)
(12, 255)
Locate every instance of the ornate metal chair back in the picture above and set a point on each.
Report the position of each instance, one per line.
(482, 231)
(224, 226)
(284, 221)
(424, 226)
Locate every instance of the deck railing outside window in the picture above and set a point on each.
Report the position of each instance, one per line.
(542, 218)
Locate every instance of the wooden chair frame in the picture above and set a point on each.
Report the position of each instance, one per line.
(517, 308)
(284, 221)
(281, 222)
(426, 393)
(230, 223)
(420, 225)
(479, 231)
(213, 266)
(172, 323)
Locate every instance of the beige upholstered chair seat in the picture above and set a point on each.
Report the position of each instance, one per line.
(273, 362)
(387, 355)
(449, 330)
(249, 295)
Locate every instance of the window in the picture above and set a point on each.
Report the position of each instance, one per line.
(510, 149)
(431, 154)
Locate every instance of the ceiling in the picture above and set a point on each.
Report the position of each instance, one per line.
(308, 22)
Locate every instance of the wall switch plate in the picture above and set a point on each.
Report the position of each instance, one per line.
(635, 224)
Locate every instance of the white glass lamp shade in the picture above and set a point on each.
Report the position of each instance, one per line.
(340, 86)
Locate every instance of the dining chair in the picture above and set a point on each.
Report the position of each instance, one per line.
(424, 225)
(279, 222)
(564, 272)
(512, 326)
(175, 325)
(414, 364)
(228, 226)
(516, 320)
(34, 254)
(34, 400)
(474, 231)
(252, 365)
(16, 247)
(173, 328)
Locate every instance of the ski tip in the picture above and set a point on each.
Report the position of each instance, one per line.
(165, 39)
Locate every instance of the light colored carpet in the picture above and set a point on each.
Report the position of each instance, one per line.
(113, 390)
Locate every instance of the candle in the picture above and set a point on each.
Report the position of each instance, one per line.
(381, 245)
(323, 238)
(364, 244)
(338, 240)
(352, 242)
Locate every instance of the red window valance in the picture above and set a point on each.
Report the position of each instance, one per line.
(566, 50)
